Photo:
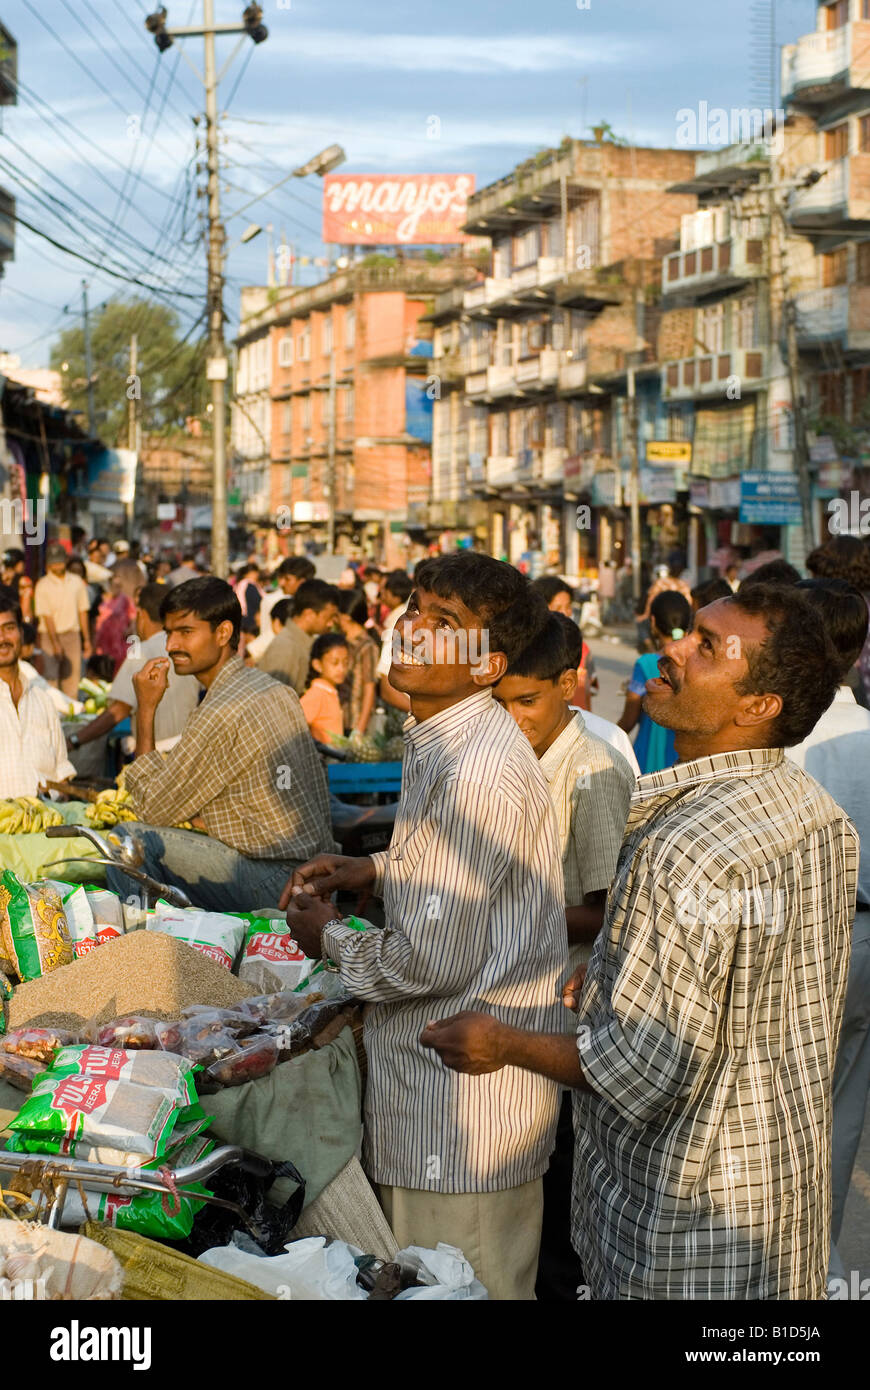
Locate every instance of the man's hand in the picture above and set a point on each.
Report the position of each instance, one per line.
(469, 1042)
(573, 988)
(306, 918)
(87, 649)
(152, 682)
(330, 873)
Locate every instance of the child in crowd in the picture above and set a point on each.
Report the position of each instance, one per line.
(670, 619)
(330, 660)
(559, 598)
(590, 785)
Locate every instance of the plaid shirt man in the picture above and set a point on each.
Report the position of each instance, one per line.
(708, 1030)
(246, 764)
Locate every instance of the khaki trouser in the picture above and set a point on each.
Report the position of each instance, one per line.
(498, 1232)
(65, 671)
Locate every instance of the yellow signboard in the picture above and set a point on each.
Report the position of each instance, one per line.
(668, 451)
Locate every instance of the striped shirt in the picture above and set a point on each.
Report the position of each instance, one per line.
(708, 1029)
(591, 786)
(247, 765)
(475, 919)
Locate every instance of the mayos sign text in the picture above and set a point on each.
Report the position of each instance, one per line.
(393, 209)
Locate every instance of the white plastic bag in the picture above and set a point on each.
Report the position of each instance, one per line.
(444, 1271)
(308, 1271)
(216, 934)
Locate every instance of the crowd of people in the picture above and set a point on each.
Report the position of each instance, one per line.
(618, 1038)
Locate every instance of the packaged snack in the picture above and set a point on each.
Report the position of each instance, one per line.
(64, 1111)
(107, 911)
(36, 935)
(185, 1138)
(79, 917)
(274, 1008)
(144, 1213)
(217, 935)
(39, 1044)
(158, 1070)
(253, 1058)
(290, 1038)
(201, 1040)
(19, 1071)
(272, 960)
(316, 1016)
(132, 1033)
(236, 1022)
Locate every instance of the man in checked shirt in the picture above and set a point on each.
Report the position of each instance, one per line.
(475, 918)
(708, 1023)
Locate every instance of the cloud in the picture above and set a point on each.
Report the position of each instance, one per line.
(458, 53)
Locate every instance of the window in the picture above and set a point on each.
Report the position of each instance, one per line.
(556, 425)
(585, 227)
(837, 15)
(499, 434)
(864, 132)
(832, 393)
(527, 247)
(745, 323)
(304, 353)
(837, 141)
(676, 424)
(711, 329)
(348, 401)
(501, 259)
(306, 414)
(287, 418)
(834, 267)
(285, 352)
(326, 337)
(862, 259)
(860, 395)
(865, 9)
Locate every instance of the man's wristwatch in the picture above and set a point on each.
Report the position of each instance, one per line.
(327, 963)
(75, 741)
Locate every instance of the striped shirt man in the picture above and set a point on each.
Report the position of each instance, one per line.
(708, 1030)
(475, 919)
(246, 765)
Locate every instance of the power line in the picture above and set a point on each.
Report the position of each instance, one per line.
(105, 270)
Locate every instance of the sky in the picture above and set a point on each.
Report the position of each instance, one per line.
(100, 150)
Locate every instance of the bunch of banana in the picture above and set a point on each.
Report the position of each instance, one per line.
(110, 807)
(27, 815)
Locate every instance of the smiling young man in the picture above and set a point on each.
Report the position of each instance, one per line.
(475, 917)
(245, 769)
(32, 749)
(708, 1023)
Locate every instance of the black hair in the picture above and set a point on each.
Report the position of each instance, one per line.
(208, 598)
(314, 594)
(842, 557)
(774, 572)
(9, 604)
(150, 598)
(796, 660)
(101, 667)
(549, 585)
(282, 611)
(499, 596)
(844, 612)
(29, 634)
(319, 647)
(573, 639)
(709, 591)
(13, 557)
(547, 657)
(353, 605)
(671, 612)
(401, 584)
(298, 565)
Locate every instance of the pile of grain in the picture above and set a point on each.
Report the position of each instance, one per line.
(143, 973)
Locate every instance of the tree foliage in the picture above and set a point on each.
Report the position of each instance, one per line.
(170, 370)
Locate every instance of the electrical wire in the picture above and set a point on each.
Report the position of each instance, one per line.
(105, 270)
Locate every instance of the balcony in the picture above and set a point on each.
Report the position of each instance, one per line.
(823, 66)
(501, 470)
(840, 201)
(723, 265)
(480, 297)
(694, 377)
(839, 315)
(572, 374)
(539, 372)
(552, 465)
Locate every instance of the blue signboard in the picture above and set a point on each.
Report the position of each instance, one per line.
(769, 499)
(418, 409)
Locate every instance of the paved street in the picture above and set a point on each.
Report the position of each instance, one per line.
(613, 662)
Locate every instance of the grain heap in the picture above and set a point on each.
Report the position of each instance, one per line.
(141, 973)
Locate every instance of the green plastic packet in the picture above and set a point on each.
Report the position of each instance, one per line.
(34, 934)
(63, 1111)
(141, 1066)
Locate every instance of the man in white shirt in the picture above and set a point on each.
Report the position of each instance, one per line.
(62, 606)
(181, 697)
(32, 749)
(601, 728)
(396, 590)
(837, 754)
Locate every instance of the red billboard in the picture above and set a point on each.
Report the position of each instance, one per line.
(395, 209)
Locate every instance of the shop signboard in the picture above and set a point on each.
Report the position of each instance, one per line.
(769, 499)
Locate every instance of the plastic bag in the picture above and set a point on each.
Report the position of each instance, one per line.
(322, 984)
(79, 917)
(272, 960)
(317, 1016)
(132, 1033)
(156, 1070)
(444, 1272)
(254, 1057)
(107, 911)
(20, 1072)
(36, 937)
(40, 1044)
(217, 935)
(201, 1041)
(308, 1271)
(274, 1008)
(149, 1213)
(184, 1138)
(229, 1020)
(290, 1038)
(248, 1185)
(65, 1111)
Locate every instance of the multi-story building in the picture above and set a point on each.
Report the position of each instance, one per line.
(826, 78)
(350, 402)
(251, 415)
(528, 362)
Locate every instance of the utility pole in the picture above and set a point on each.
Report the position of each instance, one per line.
(89, 365)
(330, 459)
(132, 422)
(634, 484)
